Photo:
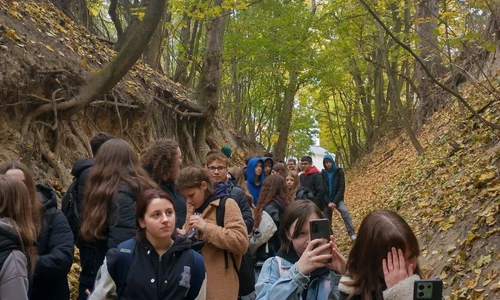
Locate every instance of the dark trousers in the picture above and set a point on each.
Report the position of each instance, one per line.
(346, 217)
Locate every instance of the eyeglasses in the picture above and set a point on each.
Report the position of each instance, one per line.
(213, 169)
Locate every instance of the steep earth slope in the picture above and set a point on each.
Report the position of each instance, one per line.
(450, 195)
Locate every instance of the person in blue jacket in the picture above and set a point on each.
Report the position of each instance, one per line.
(300, 269)
(334, 182)
(255, 177)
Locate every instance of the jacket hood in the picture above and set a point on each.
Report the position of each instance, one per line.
(221, 191)
(48, 195)
(81, 165)
(312, 170)
(8, 236)
(251, 170)
(330, 157)
(264, 159)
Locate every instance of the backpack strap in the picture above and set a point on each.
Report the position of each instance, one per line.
(197, 276)
(125, 254)
(219, 218)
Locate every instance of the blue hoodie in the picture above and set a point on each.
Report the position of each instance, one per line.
(330, 172)
(252, 187)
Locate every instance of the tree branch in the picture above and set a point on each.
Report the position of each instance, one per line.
(427, 71)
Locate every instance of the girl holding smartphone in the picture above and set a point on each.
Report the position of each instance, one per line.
(300, 269)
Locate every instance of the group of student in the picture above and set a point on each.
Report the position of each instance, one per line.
(151, 230)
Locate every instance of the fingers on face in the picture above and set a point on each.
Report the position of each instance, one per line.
(384, 267)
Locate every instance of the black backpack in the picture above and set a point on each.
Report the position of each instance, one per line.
(245, 273)
(71, 208)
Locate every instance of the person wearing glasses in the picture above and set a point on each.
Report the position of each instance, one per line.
(217, 165)
(311, 179)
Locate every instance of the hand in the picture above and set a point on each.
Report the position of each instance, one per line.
(338, 263)
(197, 222)
(181, 231)
(331, 205)
(312, 259)
(395, 268)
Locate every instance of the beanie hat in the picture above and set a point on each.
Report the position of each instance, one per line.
(227, 151)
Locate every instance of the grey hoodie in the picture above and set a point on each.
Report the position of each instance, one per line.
(14, 271)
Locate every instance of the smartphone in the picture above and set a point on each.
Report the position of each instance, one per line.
(320, 229)
(428, 289)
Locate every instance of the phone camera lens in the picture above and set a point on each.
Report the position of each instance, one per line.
(421, 294)
(429, 286)
(421, 287)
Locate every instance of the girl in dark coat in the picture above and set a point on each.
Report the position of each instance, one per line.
(17, 239)
(158, 256)
(55, 240)
(273, 200)
(108, 214)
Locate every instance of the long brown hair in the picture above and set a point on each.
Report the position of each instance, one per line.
(292, 193)
(37, 208)
(379, 232)
(142, 206)
(192, 177)
(240, 181)
(273, 188)
(299, 211)
(115, 164)
(15, 205)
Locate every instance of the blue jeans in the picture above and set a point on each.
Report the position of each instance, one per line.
(346, 217)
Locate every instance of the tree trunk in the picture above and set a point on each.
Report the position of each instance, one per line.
(152, 54)
(208, 89)
(103, 81)
(182, 56)
(394, 94)
(286, 114)
(112, 11)
(430, 100)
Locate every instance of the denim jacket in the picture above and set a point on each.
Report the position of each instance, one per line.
(288, 283)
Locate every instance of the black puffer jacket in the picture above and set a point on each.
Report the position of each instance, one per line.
(121, 227)
(81, 170)
(161, 277)
(179, 202)
(275, 210)
(55, 251)
(239, 196)
(121, 216)
(338, 186)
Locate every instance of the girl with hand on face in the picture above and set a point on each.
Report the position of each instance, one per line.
(224, 246)
(162, 266)
(300, 269)
(383, 261)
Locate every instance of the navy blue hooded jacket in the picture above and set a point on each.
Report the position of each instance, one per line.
(334, 181)
(253, 188)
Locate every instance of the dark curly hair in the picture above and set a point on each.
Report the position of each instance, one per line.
(158, 159)
(273, 188)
